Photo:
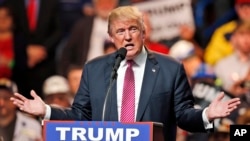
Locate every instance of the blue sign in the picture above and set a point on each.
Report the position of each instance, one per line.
(97, 131)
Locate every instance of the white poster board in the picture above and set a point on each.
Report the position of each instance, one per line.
(166, 16)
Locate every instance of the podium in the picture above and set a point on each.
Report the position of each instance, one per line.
(102, 131)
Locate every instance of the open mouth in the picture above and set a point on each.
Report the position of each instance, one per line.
(129, 46)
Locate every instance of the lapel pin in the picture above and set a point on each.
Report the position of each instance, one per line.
(153, 70)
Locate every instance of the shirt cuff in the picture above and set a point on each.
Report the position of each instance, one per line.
(206, 123)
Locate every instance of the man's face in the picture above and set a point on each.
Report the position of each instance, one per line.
(7, 108)
(74, 78)
(103, 7)
(242, 42)
(5, 20)
(243, 11)
(59, 99)
(127, 34)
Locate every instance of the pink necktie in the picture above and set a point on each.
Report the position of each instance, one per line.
(128, 97)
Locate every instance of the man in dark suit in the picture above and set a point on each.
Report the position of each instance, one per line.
(37, 21)
(160, 86)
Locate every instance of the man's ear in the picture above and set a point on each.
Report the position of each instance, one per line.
(143, 34)
(111, 39)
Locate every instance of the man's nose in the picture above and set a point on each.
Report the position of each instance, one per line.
(127, 35)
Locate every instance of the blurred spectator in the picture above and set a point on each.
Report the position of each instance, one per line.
(109, 47)
(87, 37)
(242, 87)
(154, 46)
(74, 75)
(187, 33)
(38, 22)
(219, 46)
(235, 67)
(14, 125)
(202, 80)
(244, 117)
(70, 12)
(209, 15)
(184, 51)
(57, 91)
(7, 55)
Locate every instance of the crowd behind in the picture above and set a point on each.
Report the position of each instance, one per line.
(44, 45)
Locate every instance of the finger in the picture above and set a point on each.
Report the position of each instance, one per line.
(231, 109)
(18, 102)
(19, 96)
(220, 96)
(234, 100)
(33, 94)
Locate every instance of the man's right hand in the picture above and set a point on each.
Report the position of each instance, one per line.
(34, 106)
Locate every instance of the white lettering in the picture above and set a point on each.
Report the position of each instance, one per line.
(78, 132)
(131, 133)
(62, 131)
(99, 134)
(239, 132)
(112, 135)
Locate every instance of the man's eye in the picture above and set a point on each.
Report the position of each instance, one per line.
(133, 29)
(120, 31)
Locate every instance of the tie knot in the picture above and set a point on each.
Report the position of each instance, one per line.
(130, 63)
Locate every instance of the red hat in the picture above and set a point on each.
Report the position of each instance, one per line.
(242, 1)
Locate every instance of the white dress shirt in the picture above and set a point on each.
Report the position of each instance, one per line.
(138, 68)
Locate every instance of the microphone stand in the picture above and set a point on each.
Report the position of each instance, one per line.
(121, 53)
(113, 77)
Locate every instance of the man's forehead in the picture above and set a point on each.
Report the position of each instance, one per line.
(124, 23)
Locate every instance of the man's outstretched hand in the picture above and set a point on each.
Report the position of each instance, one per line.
(34, 106)
(219, 108)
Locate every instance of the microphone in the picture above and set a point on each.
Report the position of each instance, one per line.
(121, 54)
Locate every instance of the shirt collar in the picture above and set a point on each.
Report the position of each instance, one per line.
(139, 59)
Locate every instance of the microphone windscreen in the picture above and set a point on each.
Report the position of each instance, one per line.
(122, 53)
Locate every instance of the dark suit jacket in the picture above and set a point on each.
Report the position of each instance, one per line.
(165, 96)
(47, 33)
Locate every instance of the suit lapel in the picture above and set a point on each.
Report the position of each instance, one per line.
(111, 109)
(149, 78)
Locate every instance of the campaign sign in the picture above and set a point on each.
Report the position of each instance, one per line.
(97, 131)
(239, 132)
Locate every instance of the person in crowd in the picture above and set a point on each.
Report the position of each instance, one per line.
(184, 51)
(201, 79)
(56, 91)
(74, 75)
(155, 86)
(15, 125)
(37, 21)
(109, 47)
(7, 53)
(187, 33)
(244, 117)
(219, 45)
(152, 45)
(87, 37)
(235, 67)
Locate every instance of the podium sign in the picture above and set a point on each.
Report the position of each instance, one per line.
(97, 131)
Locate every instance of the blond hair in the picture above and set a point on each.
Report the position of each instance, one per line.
(125, 13)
